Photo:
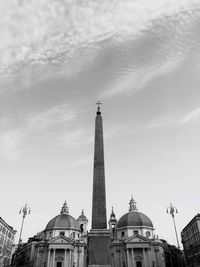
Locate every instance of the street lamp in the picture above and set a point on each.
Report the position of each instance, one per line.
(25, 210)
(171, 210)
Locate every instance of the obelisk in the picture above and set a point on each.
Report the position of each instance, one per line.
(99, 236)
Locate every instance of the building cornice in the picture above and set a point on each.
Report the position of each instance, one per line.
(8, 226)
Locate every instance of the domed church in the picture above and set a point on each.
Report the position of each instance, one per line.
(67, 239)
(133, 242)
(63, 243)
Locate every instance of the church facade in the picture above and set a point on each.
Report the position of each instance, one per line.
(61, 244)
(133, 243)
(66, 242)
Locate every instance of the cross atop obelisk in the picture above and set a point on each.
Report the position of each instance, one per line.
(98, 107)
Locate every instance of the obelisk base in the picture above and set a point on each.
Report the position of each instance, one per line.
(99, 248)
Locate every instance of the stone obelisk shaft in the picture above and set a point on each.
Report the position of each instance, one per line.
(99, 236)
(99, 220)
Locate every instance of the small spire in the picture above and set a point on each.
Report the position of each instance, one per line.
(98, 107)
(132, 205)
(64, 209)
(112, 215)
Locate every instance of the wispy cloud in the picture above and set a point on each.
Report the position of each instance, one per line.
(36, 129)
(175, 118)
(192, 116)
(75, 138)
(50, 117)
(48, 31)
(9, 144)
(162, 121)
(133, 81)
(57, 128)
(156, 52)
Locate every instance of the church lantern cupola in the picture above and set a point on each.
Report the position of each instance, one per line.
(64, 209)
(132, 205)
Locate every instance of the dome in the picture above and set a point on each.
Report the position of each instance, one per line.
(134, 218)
(63, 221)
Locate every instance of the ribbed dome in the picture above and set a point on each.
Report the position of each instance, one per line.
(134, 218)
(63, 221)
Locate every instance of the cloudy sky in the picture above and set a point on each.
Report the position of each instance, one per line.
(142, 60)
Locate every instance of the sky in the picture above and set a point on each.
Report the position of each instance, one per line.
(141, 59)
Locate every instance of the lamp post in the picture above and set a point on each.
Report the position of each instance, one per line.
(25, 210)
(171, 210)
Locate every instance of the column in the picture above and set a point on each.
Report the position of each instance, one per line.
(38, 256)
(48, 259)
(78, 256)
(133, 259)
(72, 258)
(144, 257)
(54, 253)
(68, 257)
(65, 258)
(128, 259)
(70, 261)
(149, 255)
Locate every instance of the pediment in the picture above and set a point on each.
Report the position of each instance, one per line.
(137, 238)
(61, 240)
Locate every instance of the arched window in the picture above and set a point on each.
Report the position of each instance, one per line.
(72, 235)
(148, 234)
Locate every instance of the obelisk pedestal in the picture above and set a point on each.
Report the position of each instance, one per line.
(99, 248)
